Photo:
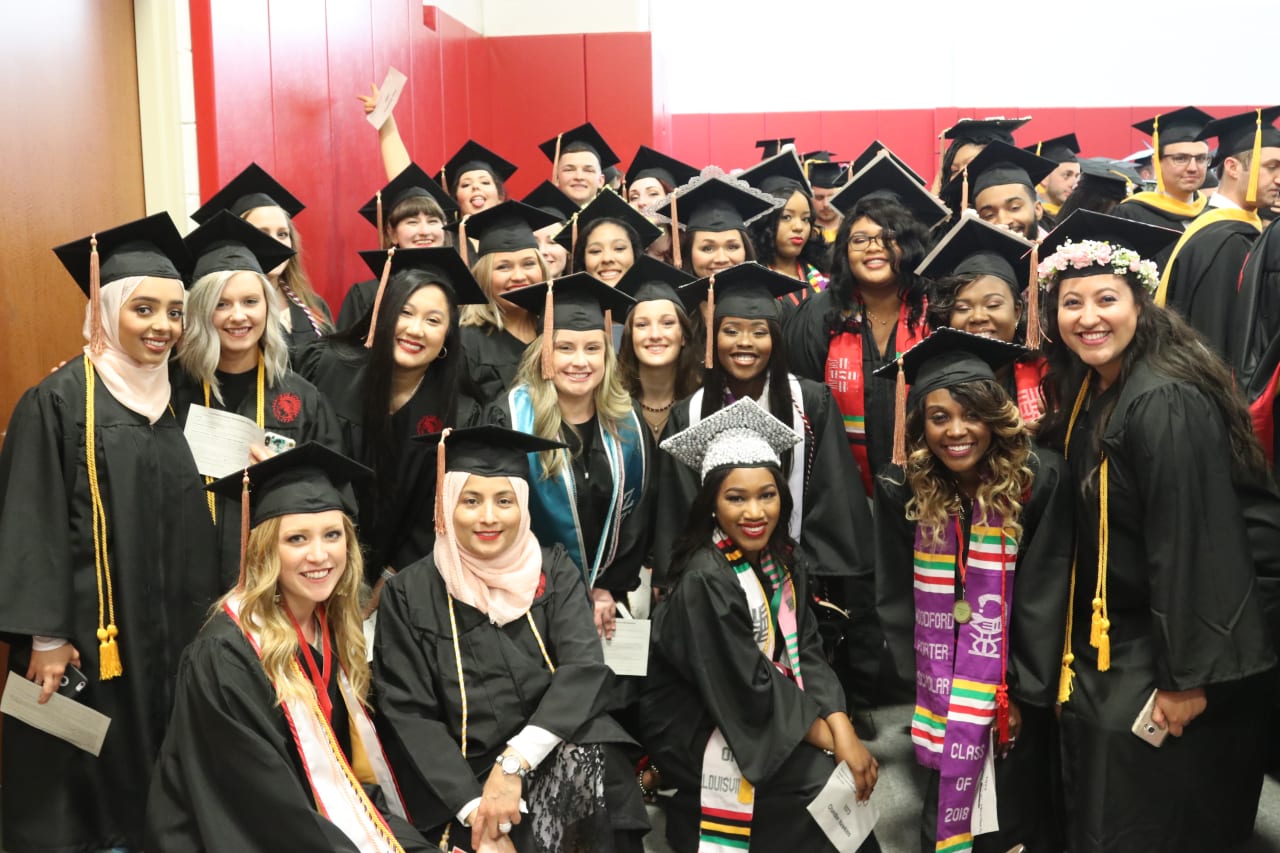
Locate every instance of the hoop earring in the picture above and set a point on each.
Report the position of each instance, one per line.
(444, 351)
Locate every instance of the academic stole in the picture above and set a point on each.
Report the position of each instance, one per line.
(958, 676)
(555, 507)
(1200, 223)
(339, 795)
(813, 277)
(847, 381)
(799, 454)
(1026, 380)
(728, 799)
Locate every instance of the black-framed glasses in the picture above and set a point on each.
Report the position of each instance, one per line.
(1202, 160)
(862, 242)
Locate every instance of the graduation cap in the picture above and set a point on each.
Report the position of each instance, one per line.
(771, 147)
(980, 131)
(505, 227)
(607, 205)
(945, 359)
(576, 303)
(1112, 179)
(226, 243)
(1147, 241)
(548, 198)
(308, 479)
(1060, 149)
(445, 264)
(250, 189)
(741, 435)
(649, 280)
(716, 204)
(584, 137)
(885, 178)
(996, 165)
(779, 175)
(821, 170)
(651, 163)
(1181, 125)
(868, 154)
(749, 290)
(473, 157)
(412, 182)
(1251, 131)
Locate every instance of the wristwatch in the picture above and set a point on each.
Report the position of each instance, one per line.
(511, 765)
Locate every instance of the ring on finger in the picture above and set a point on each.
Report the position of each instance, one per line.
(504, 827)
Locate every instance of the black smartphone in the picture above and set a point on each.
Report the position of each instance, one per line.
(73, 682)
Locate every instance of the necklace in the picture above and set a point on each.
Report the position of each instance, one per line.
(659, 409)
(873, 318)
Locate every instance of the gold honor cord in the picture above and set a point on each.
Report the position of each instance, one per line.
(210, 498)
(109, 665)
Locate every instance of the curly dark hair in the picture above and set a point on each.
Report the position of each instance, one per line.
(981, 139)
(943, 293)
(912, 240)
(764, 236)
(580, 250)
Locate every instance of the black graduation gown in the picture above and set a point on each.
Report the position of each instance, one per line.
(1255, 317)
(1184, 614)
(292, 407)
(396, 512)
(357, 303)
(493, 357)
(229, 777)
(1026, 779)
(706, 672)
(593, 482)
(508, 687)
(300, 332)
(164, 578)
(1136, 208)
(1204, 275)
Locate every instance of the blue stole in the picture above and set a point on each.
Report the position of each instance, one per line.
(553, 508)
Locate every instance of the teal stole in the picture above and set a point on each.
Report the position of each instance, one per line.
(553, 508)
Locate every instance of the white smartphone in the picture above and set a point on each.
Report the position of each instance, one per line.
(1145, 727)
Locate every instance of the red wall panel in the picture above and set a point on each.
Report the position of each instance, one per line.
(618, 62)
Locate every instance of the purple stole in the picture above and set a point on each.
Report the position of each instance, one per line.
(959, 674)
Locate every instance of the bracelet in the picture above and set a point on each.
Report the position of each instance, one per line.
(388, 573)
(648, 793)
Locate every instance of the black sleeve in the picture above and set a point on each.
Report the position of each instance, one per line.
(807, 340)
(1212, 277)
(354, 306)
(895, 572)
(674, 485)
(820, 681)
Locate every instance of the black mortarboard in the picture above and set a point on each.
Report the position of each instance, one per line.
(442, 262)
(715, 205)
(471, 157)
(507, 227)
(580, 302)
(145, 247)
(1182, 125)
(250, 189)
(983, 130)
(947, 358)
(309, 478)
(1110, 178)
(974, 247)
(1060, 149)
(770, 147)
(822, 170)
(1147, 240)
(585, 135)
(650, 279)
(779, 175)
(748, 290)
(490, 451)
(650, 163)
(996, 165)
(1238, 133)
(548, 198)
(885, 177)
(607, 205)
(226, 243)
(410, 183)
(869, 153)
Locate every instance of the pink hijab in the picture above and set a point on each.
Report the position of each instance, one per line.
(141, 388)
(502, 587)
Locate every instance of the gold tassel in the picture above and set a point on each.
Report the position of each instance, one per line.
(440, 472)
(1103, 644)
(709, 320)
(1039, 145)
(548, 332)
(377, 300)
(1066, 678)
(1066, 675)
(97, 334)
(676, 260)
(1095, 623)
(109, 665)
(1255, 163)
(900, 416)
(1155, 155)
(1033, 301)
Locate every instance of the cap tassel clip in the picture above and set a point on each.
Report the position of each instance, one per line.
(900, 416)
(440, 472)
(97, 335)
(382, 234)
(377, 300)
(244, 527)
(464, 246)
(1255, 163)
(548, 332)
(676, 260)
(1034, 332)
(708, 320)
(1155, 154)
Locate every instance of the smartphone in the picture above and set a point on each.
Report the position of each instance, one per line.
(1146, 728)
(73, 682)
(278, 444)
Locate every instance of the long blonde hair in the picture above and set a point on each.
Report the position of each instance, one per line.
(262, 612)
(200, 349)
(611, 401)
(1004, 476)
(489, 314)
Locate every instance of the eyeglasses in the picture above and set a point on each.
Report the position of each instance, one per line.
(1183, 159)
(862, 242)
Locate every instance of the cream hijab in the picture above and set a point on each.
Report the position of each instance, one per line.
(141, 388)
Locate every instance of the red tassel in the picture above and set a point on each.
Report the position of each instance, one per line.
(382, 236)
(377, 300)
(1002, 713)
(548, 332)
(244, 526)
(464, 247)
(900, 417)
(675, 235)
(1033, 301)
(97, 334)
(440, 472)
(709, 320)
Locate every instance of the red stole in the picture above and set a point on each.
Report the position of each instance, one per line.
(1026, 379)
(845, 377)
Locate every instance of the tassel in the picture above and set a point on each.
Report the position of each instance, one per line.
(1155, 154)
(1104, 645)
(440, 472)
(97, 334)
(377, 300)
(1039, 145)
(244, 526)
(1033, 301)
(676, 260)
(382, 236)
(555, 162)
(548, 332)
(964, 190)
(900, 416)
(608, 320)
(464, 246)
(708, 320)
(1255, 163)
(1095, 623)
(1066, 677)
(444, 181)
(109, 665)
(938, 179)
(1002, 713)
(573, 239)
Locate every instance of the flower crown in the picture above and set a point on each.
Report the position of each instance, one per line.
(1088, 253)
